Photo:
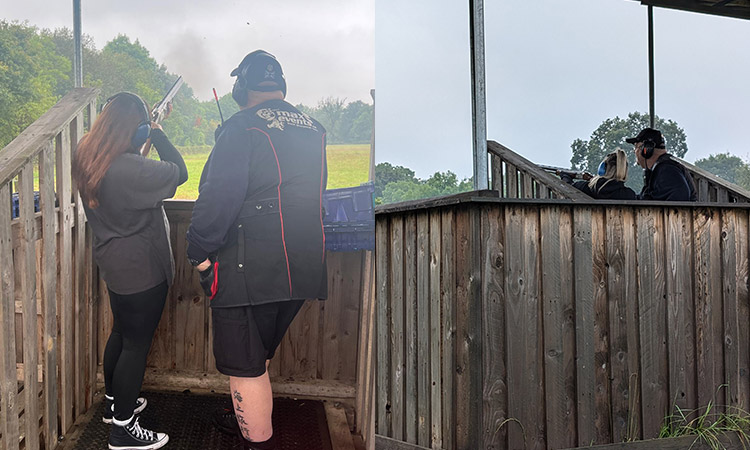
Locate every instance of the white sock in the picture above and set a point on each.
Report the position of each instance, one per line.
(121, 423)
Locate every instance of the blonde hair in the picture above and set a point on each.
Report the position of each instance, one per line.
(616, 168)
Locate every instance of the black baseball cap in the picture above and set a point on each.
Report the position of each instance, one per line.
(261, 71)
(648, 134)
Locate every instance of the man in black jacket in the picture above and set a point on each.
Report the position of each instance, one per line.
(256, 236)
(663, 177)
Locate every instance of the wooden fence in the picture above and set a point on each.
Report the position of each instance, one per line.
(514, 176)
(323, 356)
(508, 324)
(47, 308)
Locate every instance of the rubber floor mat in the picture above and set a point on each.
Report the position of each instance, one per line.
(186, 417)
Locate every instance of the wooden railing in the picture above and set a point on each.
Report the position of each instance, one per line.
(507, 324)
(714, 189)
(48, 355)
(513, 176)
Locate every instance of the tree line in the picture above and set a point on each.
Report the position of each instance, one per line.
(36, 70)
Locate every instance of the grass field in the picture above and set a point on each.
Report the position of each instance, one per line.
(348, 165)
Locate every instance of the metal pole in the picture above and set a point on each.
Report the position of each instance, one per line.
(478, 94)
(651, 112)
(77, 50)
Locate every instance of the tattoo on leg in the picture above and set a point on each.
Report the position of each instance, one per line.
(237, 396)
(245, 432)
(241, 420)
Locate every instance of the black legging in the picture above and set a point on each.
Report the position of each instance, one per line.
(136, 317)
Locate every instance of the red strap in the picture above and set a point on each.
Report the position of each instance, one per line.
(215, 284)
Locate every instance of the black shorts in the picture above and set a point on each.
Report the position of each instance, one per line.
(246, 336)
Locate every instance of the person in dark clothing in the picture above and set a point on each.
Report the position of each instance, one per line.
(256, 236)
(122, 195)
(610, 180)
(664, 178)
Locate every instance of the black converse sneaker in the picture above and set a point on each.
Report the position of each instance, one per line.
(132, 437)
(109, 407)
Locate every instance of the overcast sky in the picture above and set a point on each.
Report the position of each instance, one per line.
(555, 71)
(326, 47)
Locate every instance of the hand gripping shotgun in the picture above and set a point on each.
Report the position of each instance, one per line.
(161, 109)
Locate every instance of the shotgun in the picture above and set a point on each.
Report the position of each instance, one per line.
(570, 172)
(161, 109)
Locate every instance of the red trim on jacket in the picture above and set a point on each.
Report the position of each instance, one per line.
(322, 165)
(281, 215)
(215, 284)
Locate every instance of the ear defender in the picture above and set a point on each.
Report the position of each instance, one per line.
(239, 93)
(602, 168)
(143, 131)
(648, 148)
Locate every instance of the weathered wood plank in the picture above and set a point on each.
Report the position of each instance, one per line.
(680, 335)
(49, 290)
(436, 331)
(653, 312)
(527, 190)
(365, 350)
(623, 325)
(340, 317)
(497, 174)
(338, 427)
(730, 308)
(383, 325)
(79, 300)
(524, 329)
(65, 278)
(8, 385)
(163, 348)
(584, 316)
(511, 180)
(26, 265)
(448, 308)
(423, 329)
(410, 328)
(743, 308)
(495, 389)
(188, 336)
(601, 328)
(397, 336)
(559, 326)
(708, 306)
(468, 327)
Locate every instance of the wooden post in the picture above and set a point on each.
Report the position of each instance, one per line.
(49, 291)
(65, 278)
(8, 384)
(27, 267)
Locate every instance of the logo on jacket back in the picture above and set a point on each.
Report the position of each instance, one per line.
(278, 119)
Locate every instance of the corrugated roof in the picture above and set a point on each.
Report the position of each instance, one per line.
(739, 9)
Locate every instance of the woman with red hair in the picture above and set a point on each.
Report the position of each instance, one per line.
(122, 193)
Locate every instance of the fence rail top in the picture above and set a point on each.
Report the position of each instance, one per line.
(31, 141)
(490, 196)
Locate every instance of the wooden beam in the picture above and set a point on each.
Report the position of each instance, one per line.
(338, 427)
(32, 140)
(385, 443)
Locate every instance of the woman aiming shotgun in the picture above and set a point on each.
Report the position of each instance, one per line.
(122, 194)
